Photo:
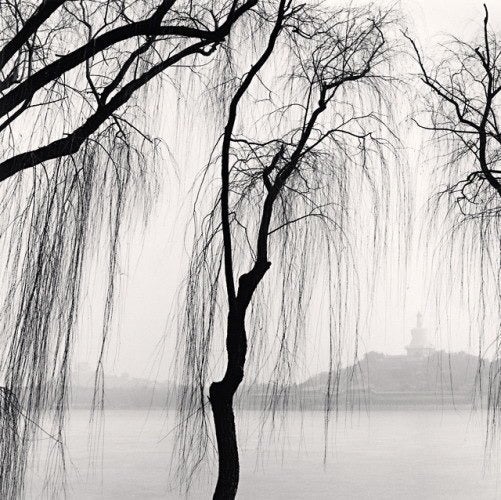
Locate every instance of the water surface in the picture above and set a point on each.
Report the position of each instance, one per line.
(381, 455)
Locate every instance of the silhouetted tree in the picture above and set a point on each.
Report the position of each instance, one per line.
(464, 87)
(70, 77)
(290, 150)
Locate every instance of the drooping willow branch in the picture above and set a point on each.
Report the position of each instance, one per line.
(290, 158)
(461, 110)
(77, 165)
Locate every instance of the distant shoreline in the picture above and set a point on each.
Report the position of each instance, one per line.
(378, 381)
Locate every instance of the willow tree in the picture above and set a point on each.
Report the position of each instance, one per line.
(462, 97)
(75, 154)
(302, 125)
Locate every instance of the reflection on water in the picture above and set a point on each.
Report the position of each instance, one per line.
(384, 455)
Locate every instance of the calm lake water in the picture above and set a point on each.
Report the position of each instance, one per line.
(383, 455)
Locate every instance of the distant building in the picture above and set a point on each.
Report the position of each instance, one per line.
(419, 346)
(423, 377)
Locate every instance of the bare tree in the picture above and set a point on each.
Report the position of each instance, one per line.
(462, 107)
(287, 155)
(70, 77)
(118, 48)
(465, 87)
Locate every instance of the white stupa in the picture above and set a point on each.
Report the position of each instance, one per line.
(419, 346)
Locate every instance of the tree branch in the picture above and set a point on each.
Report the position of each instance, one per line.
(39, 16)
(72, 142)
(146, 27)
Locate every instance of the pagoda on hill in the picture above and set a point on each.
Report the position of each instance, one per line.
(419, 346)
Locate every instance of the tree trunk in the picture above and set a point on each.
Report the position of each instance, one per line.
(226, 436)
(221, 400)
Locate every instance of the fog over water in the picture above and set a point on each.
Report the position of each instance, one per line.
(391, 454)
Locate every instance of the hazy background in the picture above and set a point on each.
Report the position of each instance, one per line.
(143, 342)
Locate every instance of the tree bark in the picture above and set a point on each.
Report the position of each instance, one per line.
(224, 419)
(221, 399)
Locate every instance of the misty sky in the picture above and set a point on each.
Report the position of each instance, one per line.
(145, 339)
